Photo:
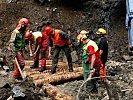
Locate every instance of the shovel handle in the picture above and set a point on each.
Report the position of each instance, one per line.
(19, 68)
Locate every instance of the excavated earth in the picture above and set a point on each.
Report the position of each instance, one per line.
(71, 16)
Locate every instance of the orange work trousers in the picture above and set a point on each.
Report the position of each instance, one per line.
(102, 72)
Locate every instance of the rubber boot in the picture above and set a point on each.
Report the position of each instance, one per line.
(35, 65)
(85, 74)
(53, 69)
(42, 69)
(43, 64)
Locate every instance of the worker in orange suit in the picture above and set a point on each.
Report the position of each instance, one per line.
(40, 39)
(62, 42)
(103, 49)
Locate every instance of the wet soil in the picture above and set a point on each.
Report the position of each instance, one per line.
(70, 17)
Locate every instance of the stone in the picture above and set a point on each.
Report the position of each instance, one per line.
(18, 92)
(74, 56)
(4, 84)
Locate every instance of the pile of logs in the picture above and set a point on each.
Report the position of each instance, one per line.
(59, 77)
(45, 79)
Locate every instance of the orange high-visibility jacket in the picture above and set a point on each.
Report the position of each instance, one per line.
(57, 40)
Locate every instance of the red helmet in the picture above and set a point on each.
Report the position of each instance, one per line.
(28, 34)
(24, 20)
(48, 30)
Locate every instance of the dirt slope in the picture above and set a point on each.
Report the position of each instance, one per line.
(72, 17)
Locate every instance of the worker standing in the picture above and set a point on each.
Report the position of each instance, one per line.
(40, 39)
(84, 55)
(17, 43)
(93, 60)
(103, 49)
(62, 42)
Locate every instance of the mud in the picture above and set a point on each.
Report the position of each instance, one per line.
(70, 17)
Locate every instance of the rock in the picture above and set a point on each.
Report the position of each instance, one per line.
(74, 56)
(18, 92)
(4, 84)
(6, 68)
(3, 73)
(127, 57)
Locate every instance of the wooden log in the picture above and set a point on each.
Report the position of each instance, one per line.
(28, 74)
(48, 62)
(55, 93)
(59, 69)
(37, 75)
(59, 77)
(63, 66)
(27, 68)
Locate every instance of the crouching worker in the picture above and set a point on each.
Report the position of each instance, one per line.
(17, 44)
(93, 61)
(40, 39)
(62, 42)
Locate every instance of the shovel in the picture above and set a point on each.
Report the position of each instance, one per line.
(23, 76)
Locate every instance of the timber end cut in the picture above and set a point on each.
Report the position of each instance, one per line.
(55, 93)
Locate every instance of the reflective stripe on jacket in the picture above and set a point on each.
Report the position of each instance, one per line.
(36, 35)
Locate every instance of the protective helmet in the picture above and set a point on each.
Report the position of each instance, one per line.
(28, 34)
(82, 36)
(24, 21)
(101, 31)
(83, 32)
(48, 30)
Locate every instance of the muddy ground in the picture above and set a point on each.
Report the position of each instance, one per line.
(72, 16)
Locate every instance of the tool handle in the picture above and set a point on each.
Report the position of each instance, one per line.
(19, 68)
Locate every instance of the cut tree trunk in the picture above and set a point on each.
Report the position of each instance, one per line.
(59, 77)
(37, 75)
(55, 93)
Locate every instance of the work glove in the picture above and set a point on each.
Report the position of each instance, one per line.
(92, 71)
(49, 56)
(31, 54)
